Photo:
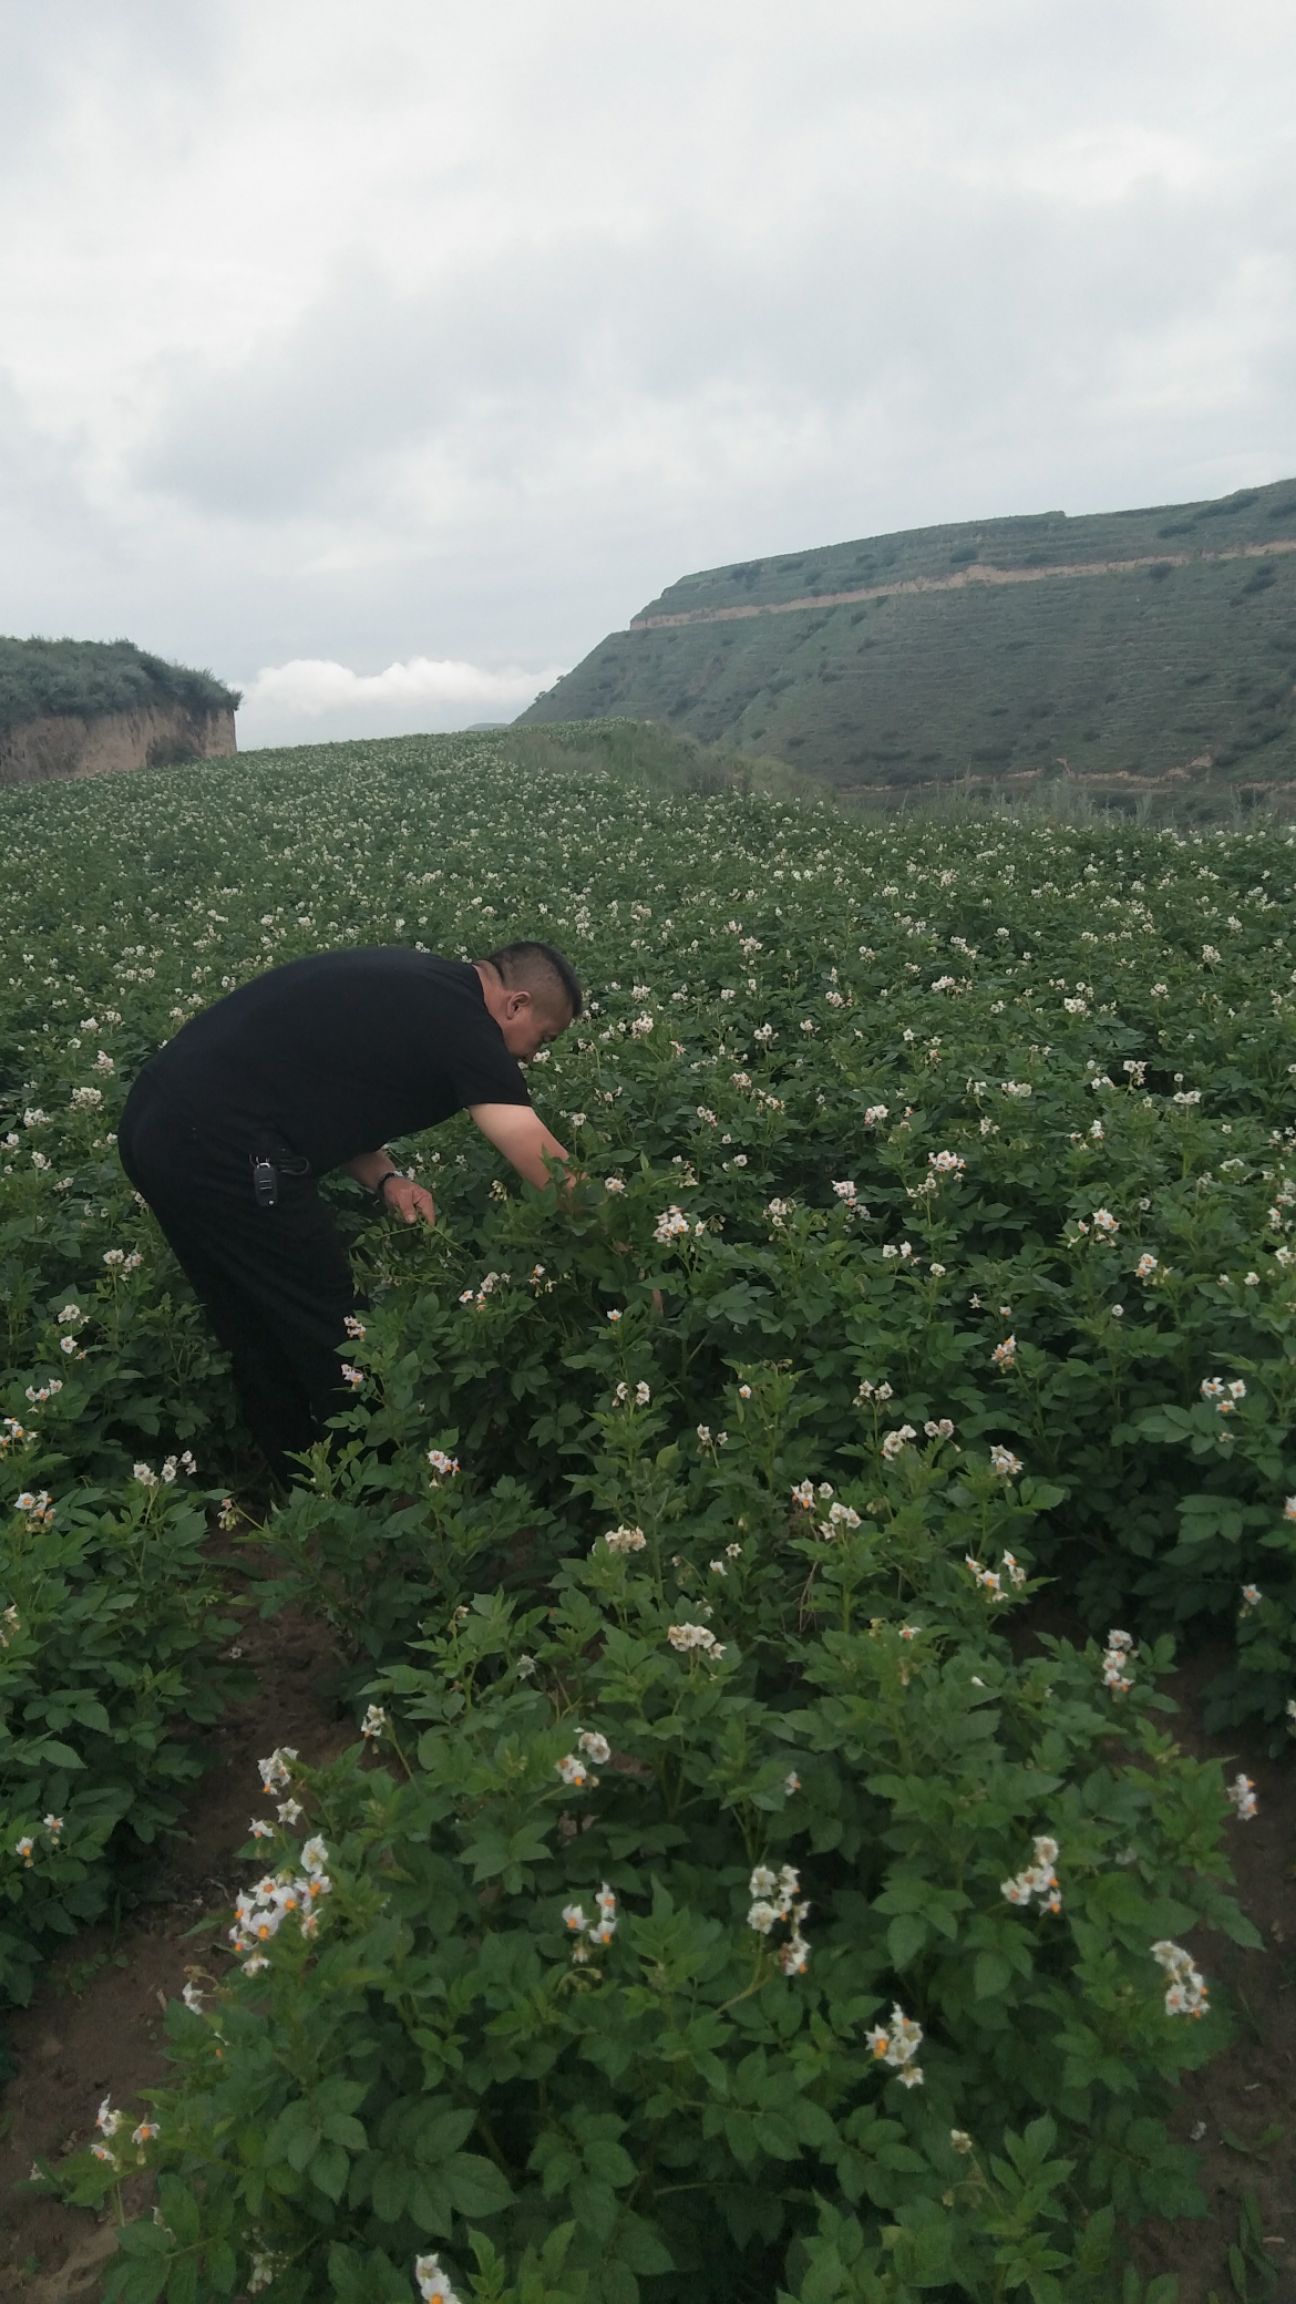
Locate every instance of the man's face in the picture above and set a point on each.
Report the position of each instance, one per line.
(527, 1026)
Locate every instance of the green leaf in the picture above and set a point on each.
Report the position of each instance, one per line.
(144, 2283)
(824, 2278)
(182, 2286)
(430, 2205)
(640, 2245)
(1236, 1926)
(345, 2129)
(222, 2268)
(611, 2164)
(93, 1714)
(390, 2189)
(776, 2135)
(740, 2135)
(617, 2283)
(329, 2171)
(143, 2238)
(905, 1937)
(813, 2124)
(62, 1755)
(1238, 2270)
(179, 2210)
(991, 1975)
(475, 2185)
(594, 2206)
(1042, 1495)
(302, 2145)
(1260, 2144)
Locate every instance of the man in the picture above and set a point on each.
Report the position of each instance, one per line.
(303, 1070)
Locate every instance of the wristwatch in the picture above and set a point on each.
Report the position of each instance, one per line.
(385, 1179)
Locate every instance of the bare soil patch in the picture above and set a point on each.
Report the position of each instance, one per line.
(1239, 2114)
(95, 2026)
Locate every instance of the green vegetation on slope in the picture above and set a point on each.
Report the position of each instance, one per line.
(1185, 671)
(638, 752)
(1038, 540)
(88, 677)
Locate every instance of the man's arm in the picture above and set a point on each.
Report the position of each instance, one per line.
(521, 1135)
(367, 1167)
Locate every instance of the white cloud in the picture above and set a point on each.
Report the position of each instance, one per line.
(425, 693)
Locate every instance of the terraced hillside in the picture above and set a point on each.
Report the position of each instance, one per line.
(1153, 647)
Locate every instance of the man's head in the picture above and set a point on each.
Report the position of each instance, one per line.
(532, 993)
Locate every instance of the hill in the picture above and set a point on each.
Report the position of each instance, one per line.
(78, 707)
(1151, 647)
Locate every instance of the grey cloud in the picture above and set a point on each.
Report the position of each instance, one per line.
(366, 371)
(152, 65)
(28, 88)
(954, 305)
(666, 292)
(56, 534)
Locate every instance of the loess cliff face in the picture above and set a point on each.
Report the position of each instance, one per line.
(62, 745)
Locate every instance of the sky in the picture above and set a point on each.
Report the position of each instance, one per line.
(382, 360)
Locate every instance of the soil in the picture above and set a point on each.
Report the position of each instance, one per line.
(1239, 2114)
(59, 745)
(96, 2024)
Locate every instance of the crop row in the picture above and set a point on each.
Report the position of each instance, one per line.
(934, 1244)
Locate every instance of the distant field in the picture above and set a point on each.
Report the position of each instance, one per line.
(1168, 671)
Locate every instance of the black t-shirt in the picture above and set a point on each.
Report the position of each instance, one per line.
(341, 1051)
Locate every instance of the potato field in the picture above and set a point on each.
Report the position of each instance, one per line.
(766, 1868)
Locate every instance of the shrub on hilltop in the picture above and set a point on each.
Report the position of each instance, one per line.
(40, 678)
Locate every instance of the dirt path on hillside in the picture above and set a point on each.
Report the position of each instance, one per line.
(95, 2026)
(977, 573)
(1239, 2114)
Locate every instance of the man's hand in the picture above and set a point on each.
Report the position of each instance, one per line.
(377, 1171)
(410, 1201)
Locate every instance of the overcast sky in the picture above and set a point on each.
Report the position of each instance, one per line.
(382, 359)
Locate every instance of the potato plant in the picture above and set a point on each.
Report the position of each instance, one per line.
(742, 1903)
(723, 1898)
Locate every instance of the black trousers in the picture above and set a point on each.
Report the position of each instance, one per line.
(275, 1282)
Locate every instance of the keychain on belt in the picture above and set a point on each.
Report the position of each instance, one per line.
(265, 1182)
(265, 1177)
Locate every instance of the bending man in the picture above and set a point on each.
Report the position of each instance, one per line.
(308, 1068)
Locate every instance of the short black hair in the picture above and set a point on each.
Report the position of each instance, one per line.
(540, 969)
